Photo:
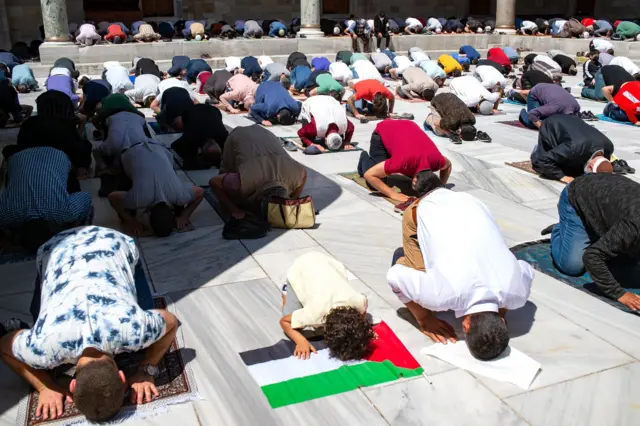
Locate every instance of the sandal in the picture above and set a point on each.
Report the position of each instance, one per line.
(483, 137)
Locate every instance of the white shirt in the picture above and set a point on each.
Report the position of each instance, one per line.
(111, 64)
(173, 82)
(471, 91)
(403, 63)
(325, 110)
(367, 71)
(118, 78)
(490, 77)
(60, 71)
(412, 23)
(625, 63)
(559, 24)
(602, 45)
(418, 57)
(528, 25)
(547, 60)
(231, 63)
(433, 23)
(340, 71)
(264, 61)
(469, 267)
(145, 85)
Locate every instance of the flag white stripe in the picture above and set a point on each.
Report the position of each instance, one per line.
(281, 370)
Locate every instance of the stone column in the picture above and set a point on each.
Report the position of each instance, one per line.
(56, 24)
(310, 18)
(506, 16)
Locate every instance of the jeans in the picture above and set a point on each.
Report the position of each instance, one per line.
(595, 93)
(377, 154)
(143, 293)
(389, 53)
(614, 112)
(524, 114)
(397, 255)
(362, 106)
(386, 36)
(569, 238)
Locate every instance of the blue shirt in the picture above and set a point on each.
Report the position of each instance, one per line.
(96, 90)
(510, 52)
(37, 189)
(470, 51)
(603, 25)
(461, 59)
(433, 69)
(136, 26)
(299, 76)
(22, 74)
(250, 65)
(320, 63)
(275, 27)
(9, 59)
(195, 67)
(89, 300)
(239, 26)
(271, 97)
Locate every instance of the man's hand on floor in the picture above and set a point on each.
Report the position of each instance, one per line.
(143, 388)
(437, 330)
(631, 301)
(51, 403)
(182, 223)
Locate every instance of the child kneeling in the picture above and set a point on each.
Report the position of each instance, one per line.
(317, 294)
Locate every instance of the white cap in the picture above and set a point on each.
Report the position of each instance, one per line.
(487, 28)
(586, 34)
(438, 30)
(336, 31)
(281, 32)
(638, 37)
(479, 30)
(198, 37)
(333, 141)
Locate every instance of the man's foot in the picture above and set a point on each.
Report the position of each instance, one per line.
(483, 137)
(400, 208)
(12, 324)
(548, 229)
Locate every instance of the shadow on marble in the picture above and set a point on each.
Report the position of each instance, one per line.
(610, 397)
(450, 398)
(18, 277)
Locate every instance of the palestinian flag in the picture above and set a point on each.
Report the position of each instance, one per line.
(286, 380)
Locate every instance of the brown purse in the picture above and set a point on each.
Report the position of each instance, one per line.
(297, 213)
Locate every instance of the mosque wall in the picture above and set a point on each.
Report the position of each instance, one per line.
(25, 16)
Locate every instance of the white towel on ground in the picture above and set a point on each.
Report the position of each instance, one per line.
(512, 366)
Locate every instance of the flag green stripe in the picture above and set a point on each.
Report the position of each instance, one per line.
(343, 379)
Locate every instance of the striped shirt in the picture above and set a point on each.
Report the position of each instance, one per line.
(37, 189)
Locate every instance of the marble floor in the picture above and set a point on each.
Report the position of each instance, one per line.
(228, 300)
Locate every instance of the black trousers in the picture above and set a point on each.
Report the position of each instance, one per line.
(385, 36)
(377, 154)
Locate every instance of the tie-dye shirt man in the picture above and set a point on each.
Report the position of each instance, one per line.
(88, 300)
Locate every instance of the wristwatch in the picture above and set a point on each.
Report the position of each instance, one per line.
(150, 370)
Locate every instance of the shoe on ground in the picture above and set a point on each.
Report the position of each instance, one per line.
(626, 165)
(618, 168)
(400, 208)
(483, 137)
(548, 229)
(290, 146)
(455, 138)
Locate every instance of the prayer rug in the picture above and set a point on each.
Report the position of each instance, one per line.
(155, 126)
(603, 117)
(175, 384)
(515, 123)
(286, 380)
(396, 182)
(538, 254)
(298, 143)
(523, 165)
(512, 102)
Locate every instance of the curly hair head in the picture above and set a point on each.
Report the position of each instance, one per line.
(347, 333)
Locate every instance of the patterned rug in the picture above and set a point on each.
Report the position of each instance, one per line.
(538, 255)
(176, 385)
(396, 182)
(298, 143)
(515, 123)
(523, 165)
(603, 117)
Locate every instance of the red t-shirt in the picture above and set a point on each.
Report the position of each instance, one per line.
(203, 77)
(113, 31)
(410, 148)
(367, 89)
(588, 21)
(496, 54)
(628, 99)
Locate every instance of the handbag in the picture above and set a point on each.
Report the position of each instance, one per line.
(297, 213)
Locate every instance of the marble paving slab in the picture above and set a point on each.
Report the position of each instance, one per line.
(280, 240)
(247, 317)
(196, 259)
(18, 277)
(610, 397)
(451, 398)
